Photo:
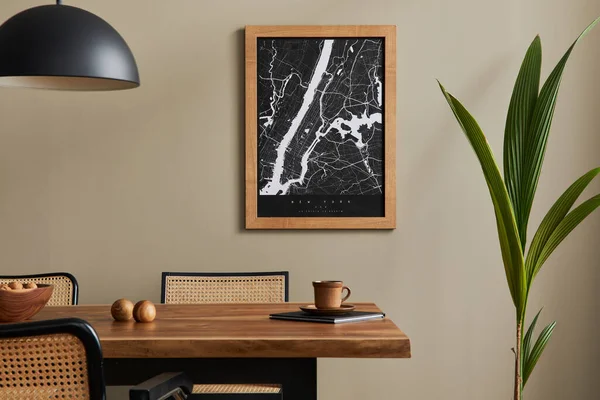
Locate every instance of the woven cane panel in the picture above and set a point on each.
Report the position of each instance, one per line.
(43, 367)
(62, 293)
(224, 289)
(220, 389)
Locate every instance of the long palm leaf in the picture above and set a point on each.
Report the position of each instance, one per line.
(508, 233)
(553, 218)
(518, 121)
(529, 335)
(537, 136)
(564, 228)
(536, 351)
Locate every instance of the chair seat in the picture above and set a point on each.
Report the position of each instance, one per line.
(237, 388)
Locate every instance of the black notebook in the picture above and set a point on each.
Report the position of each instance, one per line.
(353, 316)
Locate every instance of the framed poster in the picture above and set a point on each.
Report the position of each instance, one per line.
(320, 127)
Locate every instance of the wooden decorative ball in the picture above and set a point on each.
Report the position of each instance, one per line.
(15, 285)
(30, 285)
(144, 311)
(4, 286)
(122, 310)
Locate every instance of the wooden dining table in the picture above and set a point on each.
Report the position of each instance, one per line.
(233, 343)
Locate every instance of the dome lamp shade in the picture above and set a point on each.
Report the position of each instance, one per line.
(62, 47)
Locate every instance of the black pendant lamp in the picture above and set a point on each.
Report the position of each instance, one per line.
(64, 48)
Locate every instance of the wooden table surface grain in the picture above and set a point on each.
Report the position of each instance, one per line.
(236, 331)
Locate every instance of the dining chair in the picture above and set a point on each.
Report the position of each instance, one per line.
(64, 293)
(224, 287)
(62, 359)
(228, 287)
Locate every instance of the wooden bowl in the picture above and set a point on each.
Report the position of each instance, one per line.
(22, 304)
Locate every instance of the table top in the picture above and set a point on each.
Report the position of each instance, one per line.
(236, 330)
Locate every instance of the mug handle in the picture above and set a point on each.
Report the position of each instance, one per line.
(347, 294)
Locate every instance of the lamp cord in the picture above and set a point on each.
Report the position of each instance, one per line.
(58, 2)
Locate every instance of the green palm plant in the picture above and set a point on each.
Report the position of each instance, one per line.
(528, 124)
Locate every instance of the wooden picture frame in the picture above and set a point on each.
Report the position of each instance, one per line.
(293, 45)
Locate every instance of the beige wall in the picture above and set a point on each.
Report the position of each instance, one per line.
(117, 187)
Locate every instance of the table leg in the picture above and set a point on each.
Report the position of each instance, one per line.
(297, 375)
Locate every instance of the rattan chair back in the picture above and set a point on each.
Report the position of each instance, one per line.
(202, 288)
(56, 359)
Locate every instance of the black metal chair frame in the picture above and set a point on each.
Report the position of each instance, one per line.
(163, 293)
(75, 297)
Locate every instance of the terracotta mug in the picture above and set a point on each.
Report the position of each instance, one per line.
(328, 294)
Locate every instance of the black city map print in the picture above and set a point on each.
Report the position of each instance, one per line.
(320, 127)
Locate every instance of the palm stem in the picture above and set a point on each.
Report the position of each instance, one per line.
(518, 362)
